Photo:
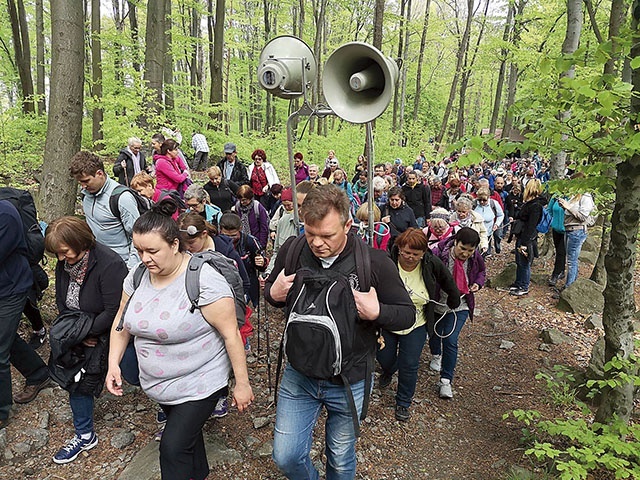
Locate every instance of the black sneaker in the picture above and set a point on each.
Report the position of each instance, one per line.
(402, 413)
(385, 379)
(519, 292)
(37, 339)
(513, 287)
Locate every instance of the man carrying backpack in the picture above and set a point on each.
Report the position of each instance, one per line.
(15, 282)
(112, 227)
(334, 312)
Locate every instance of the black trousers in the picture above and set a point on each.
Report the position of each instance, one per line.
(200, 161)
(182, 450)
(561, 253)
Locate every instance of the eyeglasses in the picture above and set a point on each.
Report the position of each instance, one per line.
(333, 163)
(192, 204)
(406, 254)
(483, 200)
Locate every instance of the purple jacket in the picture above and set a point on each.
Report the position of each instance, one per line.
(302, 173)
(258, 221)
(476, 271)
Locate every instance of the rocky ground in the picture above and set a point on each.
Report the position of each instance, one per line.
(465, 438)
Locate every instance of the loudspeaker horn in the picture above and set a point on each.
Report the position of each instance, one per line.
(359, 82)
(287, 67)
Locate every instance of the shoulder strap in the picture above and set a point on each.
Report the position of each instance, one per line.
(114, 199)
(192, 279)
(137, 280)
(293, 255)
(363, 265)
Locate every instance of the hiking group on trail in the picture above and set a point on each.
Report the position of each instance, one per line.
(156, 286)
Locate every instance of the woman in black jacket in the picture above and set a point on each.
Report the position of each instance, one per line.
(89, 279)
(526, 234)
(422, 274)
(397, 214)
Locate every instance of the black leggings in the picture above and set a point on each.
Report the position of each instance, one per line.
(32, 312)
(182, 449)
(561, 253)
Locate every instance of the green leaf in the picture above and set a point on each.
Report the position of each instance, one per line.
(635, 63)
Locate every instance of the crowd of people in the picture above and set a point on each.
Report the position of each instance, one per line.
(125, 312)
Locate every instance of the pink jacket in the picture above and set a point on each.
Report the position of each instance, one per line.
(168, 173)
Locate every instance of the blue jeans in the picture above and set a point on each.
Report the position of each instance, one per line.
(300, 400)
(129, 368)
(449, 328)
(15, 351)
(402, 354)
(523, 266)
(574, 240)
(82, 409)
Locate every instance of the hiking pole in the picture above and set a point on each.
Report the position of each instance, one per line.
(266, 325)
(260, 298)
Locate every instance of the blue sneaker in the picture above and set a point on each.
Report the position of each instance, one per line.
(72, 449)
(161, 417)
(222, 408)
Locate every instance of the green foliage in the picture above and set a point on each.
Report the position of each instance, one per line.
(22, 140)
(574, 445)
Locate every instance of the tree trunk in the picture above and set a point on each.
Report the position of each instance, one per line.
(319, 7)
(463, 111)
(403, 79)
(40, 70)
(378, 20)
(569, 46)
(423, 44)
(96, 76)
(501, 72)
(154, 59)
(57, 193)
(462, 49)
(22, 52)
(404, 15)
(168, 60)
(215, 28)
(133, 24)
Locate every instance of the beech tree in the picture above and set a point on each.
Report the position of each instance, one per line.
(57, 194)
(22, 52)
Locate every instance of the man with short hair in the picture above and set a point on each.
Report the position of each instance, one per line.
(116, 233)
(329, 245)
(130, 161)
(15, 282)
(232, 169)
(201, 149)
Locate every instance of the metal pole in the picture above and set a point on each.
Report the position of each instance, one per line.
(370, 150)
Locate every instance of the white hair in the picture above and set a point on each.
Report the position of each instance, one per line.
(133, 140)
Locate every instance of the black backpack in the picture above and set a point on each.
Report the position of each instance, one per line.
(23, 201)
(142, 203)
(321, 337)
(223, 265)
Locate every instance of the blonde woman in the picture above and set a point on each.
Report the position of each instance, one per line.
(576, 214)
(526, 235)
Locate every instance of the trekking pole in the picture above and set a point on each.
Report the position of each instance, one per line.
(260, 297)
(266, 325)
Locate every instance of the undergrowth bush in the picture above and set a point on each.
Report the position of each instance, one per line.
(575, 446)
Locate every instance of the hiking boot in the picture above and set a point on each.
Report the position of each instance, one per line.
(446, 391)
(519, 292)
(221, 409)
(385, 379)
(74, 447)
(436, 363)
(38, 338)
(30, 392)
(402, 413)
(513, 287)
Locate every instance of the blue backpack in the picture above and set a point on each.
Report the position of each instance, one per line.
(545, 221)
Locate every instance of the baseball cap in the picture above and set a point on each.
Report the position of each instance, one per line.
(229, 147)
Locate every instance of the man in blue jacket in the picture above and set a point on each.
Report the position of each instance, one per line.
(15, 281)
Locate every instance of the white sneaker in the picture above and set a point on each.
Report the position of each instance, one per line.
(445, 388)
(436, 363)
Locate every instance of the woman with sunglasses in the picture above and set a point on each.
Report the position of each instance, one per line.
(422, 274)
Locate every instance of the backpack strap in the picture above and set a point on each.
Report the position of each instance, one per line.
(192, 280)
(293, 254)
(363, 265)
(114, 199)
(137, 280)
